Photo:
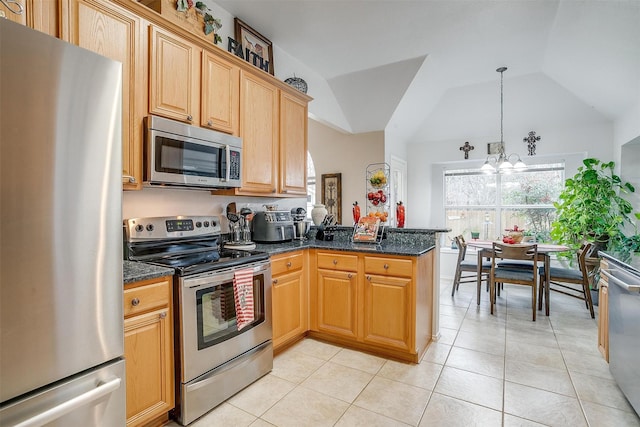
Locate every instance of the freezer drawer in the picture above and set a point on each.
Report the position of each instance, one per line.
(93, 398)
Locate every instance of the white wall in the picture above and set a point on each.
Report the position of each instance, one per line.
(348, 154)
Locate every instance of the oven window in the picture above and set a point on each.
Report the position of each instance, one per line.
(186, 158)
(216, 312)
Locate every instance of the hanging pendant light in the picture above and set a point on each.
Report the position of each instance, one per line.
(504, 163)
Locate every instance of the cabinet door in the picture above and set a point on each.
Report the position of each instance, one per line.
(259, 132)
(293, 146)
(37, 14)
(388, 310)
(289, 307)
(337, 303)
(148, 351)
(174, 77)
(111, 31)
(220, 94)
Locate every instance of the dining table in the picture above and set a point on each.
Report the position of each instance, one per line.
(485, 249)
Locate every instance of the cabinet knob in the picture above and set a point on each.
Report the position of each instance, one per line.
(350, 276)
(210, 123)
(369, 278)
(135, 302)
(163, 314)
(275, 281)
(131, 179)
(335, 262)
(386, 266)
(289, 264)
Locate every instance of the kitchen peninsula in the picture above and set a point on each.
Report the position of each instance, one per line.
(381, 298)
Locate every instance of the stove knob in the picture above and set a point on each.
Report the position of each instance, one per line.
(213, 223)
(198, 224)
(206, 223)
(150, 227)
(139, 228)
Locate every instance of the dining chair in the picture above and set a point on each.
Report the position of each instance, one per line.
(517, 276)
(562, 279)
(468, 266)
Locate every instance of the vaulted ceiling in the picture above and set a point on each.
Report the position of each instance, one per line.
(430, 64)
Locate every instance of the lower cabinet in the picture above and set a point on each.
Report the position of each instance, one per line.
(148, 351)
(376, 303)
(290, 307)
(603, 313)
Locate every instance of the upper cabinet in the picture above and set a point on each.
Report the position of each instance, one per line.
(112, 31)
(220, 94)
(259, 132)
(293, 146)
(174, 77)
(37, 14)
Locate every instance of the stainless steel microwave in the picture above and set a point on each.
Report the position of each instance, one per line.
(178, 154)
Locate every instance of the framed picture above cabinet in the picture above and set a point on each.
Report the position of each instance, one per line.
(257, 49)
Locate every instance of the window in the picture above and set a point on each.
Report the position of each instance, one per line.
(489, 204)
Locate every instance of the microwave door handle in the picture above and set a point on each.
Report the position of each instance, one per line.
(227, 153)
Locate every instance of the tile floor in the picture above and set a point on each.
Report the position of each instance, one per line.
(501, 370)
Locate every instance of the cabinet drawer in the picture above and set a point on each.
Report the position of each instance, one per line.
(139, 299)
(286, 264)
(388, 266)
(340, 262)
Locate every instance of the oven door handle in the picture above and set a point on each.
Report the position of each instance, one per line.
(226, 275)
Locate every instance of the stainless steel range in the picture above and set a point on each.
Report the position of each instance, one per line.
(222, 343)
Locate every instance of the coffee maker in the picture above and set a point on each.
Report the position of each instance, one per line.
(301, 225)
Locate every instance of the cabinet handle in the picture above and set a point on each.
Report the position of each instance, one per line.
(369, 278)
(275, 281)
(132, 179)
(135, 302)
(289, 264)
(163, 314)
(350, 276)
(335, 262)
(210, 123)
(190, 117)
(386, 266)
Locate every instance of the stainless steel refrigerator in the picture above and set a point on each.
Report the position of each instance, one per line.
(61, 314)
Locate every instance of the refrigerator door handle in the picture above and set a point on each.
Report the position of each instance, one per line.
(72, 404)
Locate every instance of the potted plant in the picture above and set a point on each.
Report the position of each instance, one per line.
(591, 207)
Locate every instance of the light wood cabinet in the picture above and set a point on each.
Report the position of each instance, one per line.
(259, 132)
(41, 15)
(174, 76)
(293, 146)
(374, 303)
(114, 32)
(389, 302)
(290, 306)
(603, 313)
(148, 351)
(220, 94)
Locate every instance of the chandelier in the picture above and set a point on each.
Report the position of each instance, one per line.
(503, 162)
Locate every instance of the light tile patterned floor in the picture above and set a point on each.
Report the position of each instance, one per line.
(500, 370)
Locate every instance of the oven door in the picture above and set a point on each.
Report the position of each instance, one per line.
(209, 333)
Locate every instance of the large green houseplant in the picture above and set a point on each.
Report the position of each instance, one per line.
(591, 207)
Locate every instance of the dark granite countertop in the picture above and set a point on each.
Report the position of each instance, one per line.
(398, 241)
(135, 271)
(404, 241)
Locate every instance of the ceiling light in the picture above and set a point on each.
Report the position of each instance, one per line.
(503, 162)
